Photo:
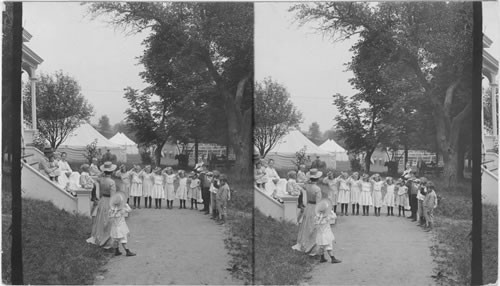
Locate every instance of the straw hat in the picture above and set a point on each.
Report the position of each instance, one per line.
(315, 174)
(210, 174)
(324, 206)
(216, 173)
(117, 201)
(84, 168)
(108, 167)
(157, 169)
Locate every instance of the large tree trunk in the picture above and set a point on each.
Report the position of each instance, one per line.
(406, 156)
(158, 149)
(448, 130)
(196, 150)
(240, 131)
(368, 158)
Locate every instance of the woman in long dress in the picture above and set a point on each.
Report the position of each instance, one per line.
(101, 229)
(306, 238)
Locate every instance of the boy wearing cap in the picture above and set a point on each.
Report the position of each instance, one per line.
(430, 203)
(206, 180)
(214, 187)
(223, 195)
(420, 197)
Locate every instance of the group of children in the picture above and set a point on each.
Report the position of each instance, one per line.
(369, 191)
(166, 185)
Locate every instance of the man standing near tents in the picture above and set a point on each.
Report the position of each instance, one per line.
(318, 164)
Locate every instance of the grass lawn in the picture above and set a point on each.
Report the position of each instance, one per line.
(239, 226)
(452, 245)
(54, 246)
(275, 261)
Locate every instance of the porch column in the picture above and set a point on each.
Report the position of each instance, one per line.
(494, 87)
(33, 102)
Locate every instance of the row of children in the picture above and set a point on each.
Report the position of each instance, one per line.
(369, 191)
(199, 186)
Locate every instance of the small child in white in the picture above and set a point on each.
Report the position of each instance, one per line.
(324, 235)
(119, 229)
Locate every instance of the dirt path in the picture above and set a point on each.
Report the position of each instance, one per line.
(173, 247)
(377, 251)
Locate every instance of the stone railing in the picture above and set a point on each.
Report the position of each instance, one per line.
(37, 186)
(270, 207)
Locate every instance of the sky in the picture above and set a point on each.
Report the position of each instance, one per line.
(104, 59)
(101, 58)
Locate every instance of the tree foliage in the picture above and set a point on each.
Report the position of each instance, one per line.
(104, 127)
(60, 106)
(274, 116)
(417, 52)
(314, 133)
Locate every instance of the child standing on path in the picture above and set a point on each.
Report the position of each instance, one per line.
(195, 190)
(377, 193)
(124, 176)
(402, 197)
(344, 193)
(158, 193)
(366, 199)
(119, 229)
(147, 185)
(169, 179)
(355, 185)
(389, 198)
(214, 187)
(223, 196)
(333, 193)
(136, 185)
(324, 234)
(422, 190)
(430, 203)
(181, 192)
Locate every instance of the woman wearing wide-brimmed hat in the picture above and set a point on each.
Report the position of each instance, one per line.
(101, 229)
(306, 238)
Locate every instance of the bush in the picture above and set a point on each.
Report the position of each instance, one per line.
(146, 158)
(356, 165)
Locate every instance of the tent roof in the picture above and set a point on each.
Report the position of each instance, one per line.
(332, 146)
(122, 139)
(293, 142)
(86, 134)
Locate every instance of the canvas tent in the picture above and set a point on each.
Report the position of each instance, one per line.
(284, 151)
(332, 146)
(76, 143)
(122, 140)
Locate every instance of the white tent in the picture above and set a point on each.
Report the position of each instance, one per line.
(124, 141)
(284, 151)
(76, 143)
(332, 146)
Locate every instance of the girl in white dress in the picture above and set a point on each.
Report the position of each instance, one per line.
(377, 193)
(333, 193)
(401, 197)
(136, 185)
(324, 234)
(389, 197)
(365, 199)
(169, 179)
(344, 193)
(158, 193)
(119, 229)
(355, 184)
(181, 192)
(147, 186)
(195, 188)
(125, 177)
